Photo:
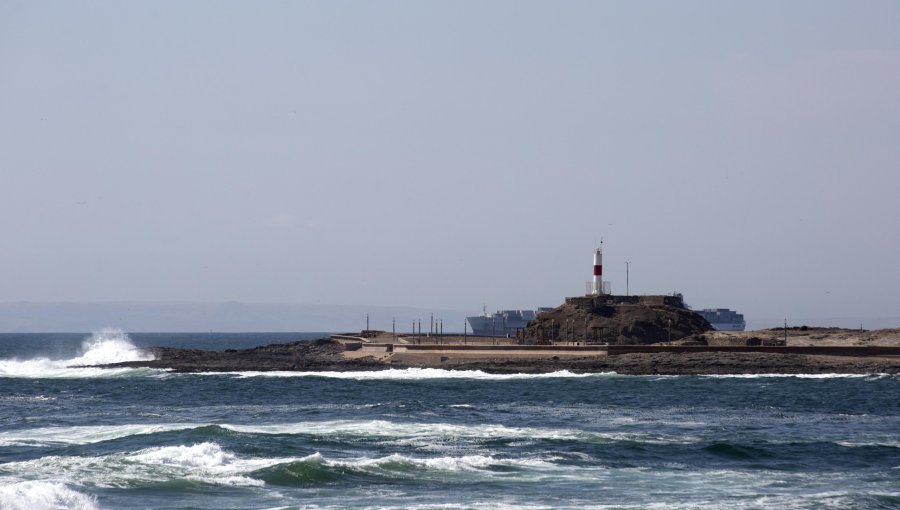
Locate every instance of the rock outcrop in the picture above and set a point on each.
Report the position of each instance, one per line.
(617, 320)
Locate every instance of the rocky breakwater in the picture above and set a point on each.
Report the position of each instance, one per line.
(617, 320)
(308, 356)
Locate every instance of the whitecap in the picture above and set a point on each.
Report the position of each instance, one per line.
(795, 376)
(863, 444)
(414, 374)
(85, 434)
(424, 435)
(447, 463)
(41, 495)
(203, 462)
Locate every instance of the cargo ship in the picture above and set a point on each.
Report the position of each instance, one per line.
(502, 322)
(723, 319)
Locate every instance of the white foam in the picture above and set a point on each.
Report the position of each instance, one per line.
(83, 434)
(203, 455)
(108, 345)
(434, 436)
(796, 376)
(384, 428)
(860, 444)
(39, 495)
(449, 463)
(424, 435)
(203, 462)
(415, 374)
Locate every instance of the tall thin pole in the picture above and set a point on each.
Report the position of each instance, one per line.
(394, 328)
(367, 322)
(627, 263)
(785, 332)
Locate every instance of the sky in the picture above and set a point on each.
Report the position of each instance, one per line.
(452, 154)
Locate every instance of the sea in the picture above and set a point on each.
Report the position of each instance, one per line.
(75, 437)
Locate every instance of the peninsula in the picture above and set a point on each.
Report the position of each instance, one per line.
(600, 333)
(808, 351)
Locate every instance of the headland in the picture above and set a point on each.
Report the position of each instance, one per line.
(600, 333)
(808, 351)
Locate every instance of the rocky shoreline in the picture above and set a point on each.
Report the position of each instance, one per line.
(328, 355)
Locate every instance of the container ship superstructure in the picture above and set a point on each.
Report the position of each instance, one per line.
(723, 319)
(502, 322)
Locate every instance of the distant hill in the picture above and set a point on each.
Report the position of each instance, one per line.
(25, 317)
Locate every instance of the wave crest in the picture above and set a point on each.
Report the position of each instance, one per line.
(108, 345)
(36, 495)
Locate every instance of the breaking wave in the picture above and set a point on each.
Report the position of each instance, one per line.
(108, 345)
(37, 495)
(209, 464)
(315, 469)
(202, 463)
(426, 436)
(84, 434)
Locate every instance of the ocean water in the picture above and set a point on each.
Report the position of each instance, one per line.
(429, 439)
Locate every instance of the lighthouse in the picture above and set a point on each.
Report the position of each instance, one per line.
(597, 283)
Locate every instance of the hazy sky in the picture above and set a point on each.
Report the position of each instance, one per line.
(450, 154)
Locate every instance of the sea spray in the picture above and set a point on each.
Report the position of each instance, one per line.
(108, 345)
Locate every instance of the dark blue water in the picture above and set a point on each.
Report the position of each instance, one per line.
(137, 438)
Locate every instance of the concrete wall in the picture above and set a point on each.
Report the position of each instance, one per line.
(606, 300)
(529, 348)
(820, 350)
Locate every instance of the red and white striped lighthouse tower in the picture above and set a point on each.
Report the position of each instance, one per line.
(597, 284)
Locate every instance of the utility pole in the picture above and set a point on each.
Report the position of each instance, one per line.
(367, 322)
(627, 263)
(394, 328)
